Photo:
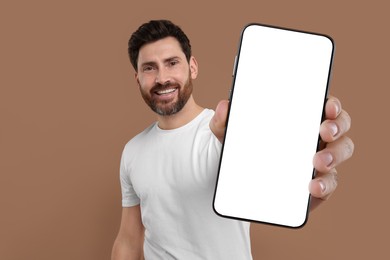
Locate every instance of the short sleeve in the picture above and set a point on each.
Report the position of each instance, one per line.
(129, 196)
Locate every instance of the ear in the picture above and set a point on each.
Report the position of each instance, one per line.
(137, 79)
(193, 67)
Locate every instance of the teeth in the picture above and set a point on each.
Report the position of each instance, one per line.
(165, 91)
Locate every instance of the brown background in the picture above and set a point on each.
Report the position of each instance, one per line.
(68, 104)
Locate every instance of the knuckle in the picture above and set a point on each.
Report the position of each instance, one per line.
(348, 117)
(347, 121)
(332, 182)
(335, 179)
(349, 146)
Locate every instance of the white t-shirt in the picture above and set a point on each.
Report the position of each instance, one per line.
(172, 175)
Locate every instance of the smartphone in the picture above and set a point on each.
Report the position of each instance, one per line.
(280, 86)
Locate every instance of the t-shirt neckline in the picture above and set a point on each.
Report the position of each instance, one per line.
(183, 127)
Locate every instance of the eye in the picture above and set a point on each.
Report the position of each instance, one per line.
(173, 63)
(147, 68)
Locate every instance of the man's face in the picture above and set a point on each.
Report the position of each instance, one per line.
(165, 76)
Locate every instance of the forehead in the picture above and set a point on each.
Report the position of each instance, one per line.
(161, 49)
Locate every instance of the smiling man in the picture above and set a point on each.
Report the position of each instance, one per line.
(165, 79)
(168, 171)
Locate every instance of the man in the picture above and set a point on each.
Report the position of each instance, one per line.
(168, 171)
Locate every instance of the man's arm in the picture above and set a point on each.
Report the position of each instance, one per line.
(129, 242)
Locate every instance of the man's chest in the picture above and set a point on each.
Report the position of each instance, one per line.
(168, 170)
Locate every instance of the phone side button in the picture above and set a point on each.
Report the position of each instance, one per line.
(234, 66)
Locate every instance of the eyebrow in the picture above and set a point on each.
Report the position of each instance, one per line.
(152, 63)
(172, 58)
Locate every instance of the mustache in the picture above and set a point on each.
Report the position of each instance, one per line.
(168, 84)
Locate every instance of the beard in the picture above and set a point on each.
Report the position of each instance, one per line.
(168, 107)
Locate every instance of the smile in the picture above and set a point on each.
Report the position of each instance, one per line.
(166, 91)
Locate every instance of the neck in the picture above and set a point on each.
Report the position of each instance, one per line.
(184, 116)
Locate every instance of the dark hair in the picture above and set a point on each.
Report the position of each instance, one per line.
(153, 31)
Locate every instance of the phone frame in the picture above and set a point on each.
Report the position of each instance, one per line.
(231, 99)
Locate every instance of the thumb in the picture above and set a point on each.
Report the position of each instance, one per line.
(218, 122)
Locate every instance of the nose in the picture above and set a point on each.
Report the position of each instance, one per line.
(162, 76)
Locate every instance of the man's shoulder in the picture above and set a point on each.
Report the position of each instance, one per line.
(206, 116)
(208, 113)
(139, 138)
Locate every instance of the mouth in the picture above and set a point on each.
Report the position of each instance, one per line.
(165, 91)
(165, 95)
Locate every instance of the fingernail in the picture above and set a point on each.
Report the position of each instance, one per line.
(333, 129)
(337, 108)
(326, 158)
(322, 185)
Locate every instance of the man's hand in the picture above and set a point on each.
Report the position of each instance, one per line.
(218, 122)
(337, 147)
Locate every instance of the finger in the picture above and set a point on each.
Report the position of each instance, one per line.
(324, 185)
(218, 122)
(332, 108)
(334, 154)
(331, 130)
